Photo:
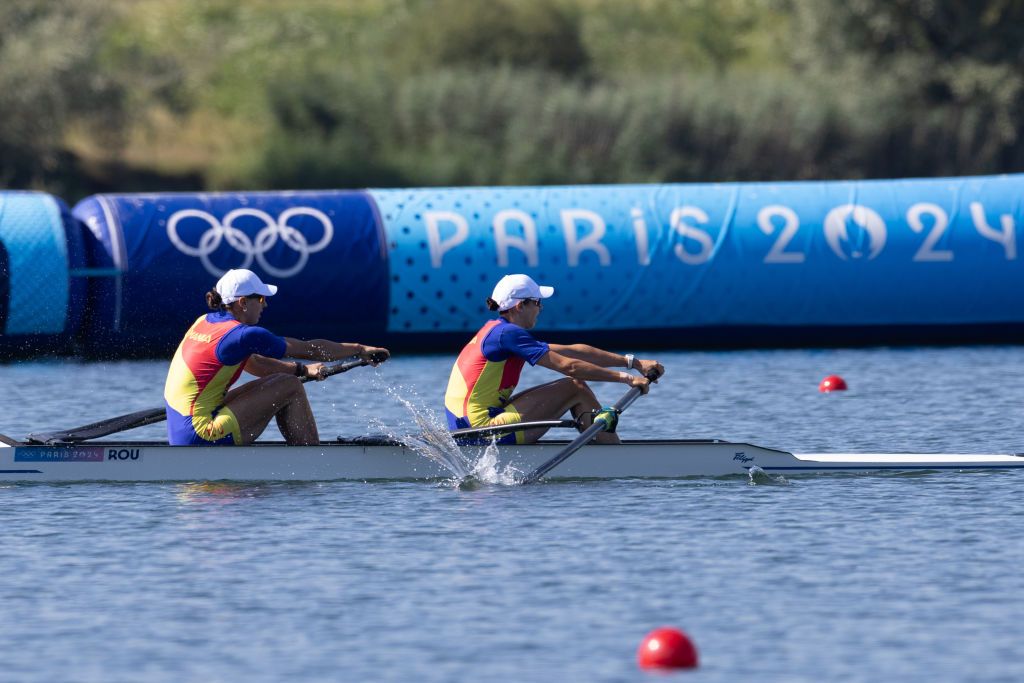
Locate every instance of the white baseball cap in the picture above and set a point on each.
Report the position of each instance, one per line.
(512, 289)
(239, 283)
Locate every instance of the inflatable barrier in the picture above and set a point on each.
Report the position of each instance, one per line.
(739, 264)
(681, 258)
(42, 275)
(324, 249)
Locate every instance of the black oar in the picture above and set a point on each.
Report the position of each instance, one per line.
(142, 418)
(475, 433)
(602, 421)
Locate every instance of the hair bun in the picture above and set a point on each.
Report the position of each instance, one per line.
(213, 300)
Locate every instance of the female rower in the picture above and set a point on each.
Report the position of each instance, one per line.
(215, 350)
(487, 370)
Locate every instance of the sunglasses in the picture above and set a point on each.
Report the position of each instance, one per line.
(257, 297)
(535, 302)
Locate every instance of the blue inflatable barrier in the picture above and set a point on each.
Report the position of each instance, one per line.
(739, 264)
(42, 285)
(684, 257)
(163, 252)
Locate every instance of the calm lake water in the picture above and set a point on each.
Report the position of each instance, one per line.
(817, 578)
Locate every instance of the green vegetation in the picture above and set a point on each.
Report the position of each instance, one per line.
(220, 94)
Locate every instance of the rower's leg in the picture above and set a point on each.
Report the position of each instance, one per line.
(278, 395)
(551, 401)
(295, 420)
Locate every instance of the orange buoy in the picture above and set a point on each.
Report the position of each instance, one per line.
(832, 383)
(666, 648)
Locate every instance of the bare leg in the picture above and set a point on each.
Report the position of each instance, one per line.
(550, 401)
(281, 396)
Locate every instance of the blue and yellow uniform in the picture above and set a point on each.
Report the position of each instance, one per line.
(208, 361)
(485, 375)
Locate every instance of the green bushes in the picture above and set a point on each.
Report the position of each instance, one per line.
(511, 126)
(585, 91)
(50, 79)
(460, 92)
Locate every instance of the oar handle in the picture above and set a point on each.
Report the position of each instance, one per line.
(379, 356)
(634, 393)
(345, 366)
(338, 368)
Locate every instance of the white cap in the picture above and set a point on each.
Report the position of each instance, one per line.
(512, 289)
(239, 283)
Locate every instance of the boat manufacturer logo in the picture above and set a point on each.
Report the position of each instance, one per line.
(742, 457)
(60, 454)
(251, 248)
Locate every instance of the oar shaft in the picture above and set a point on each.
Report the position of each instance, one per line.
(480, 432)
(583, 439)
(339, 368)
(627, 400)
(95, 430)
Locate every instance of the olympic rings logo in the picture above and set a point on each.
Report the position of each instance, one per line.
(251, 248)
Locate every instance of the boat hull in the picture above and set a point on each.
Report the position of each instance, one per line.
(355, 461)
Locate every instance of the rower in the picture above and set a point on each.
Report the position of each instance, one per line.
(487, 370)
(215, 350)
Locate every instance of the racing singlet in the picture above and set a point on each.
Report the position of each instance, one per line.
(487, 372)
(208, 361)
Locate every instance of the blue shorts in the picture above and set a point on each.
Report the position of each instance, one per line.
(498, 416)
(218, 429)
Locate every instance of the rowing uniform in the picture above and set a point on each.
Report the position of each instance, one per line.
(208, 361)
(485, 375)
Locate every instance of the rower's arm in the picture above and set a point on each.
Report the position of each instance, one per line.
(607, 359)
(578, 368)
(261, 366)
(324, 349)
(591, 354)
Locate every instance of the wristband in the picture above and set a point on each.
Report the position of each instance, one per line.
(629, 361)
(300, 370)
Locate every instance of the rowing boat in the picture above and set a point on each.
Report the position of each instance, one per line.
(78, 454)
(370, 459)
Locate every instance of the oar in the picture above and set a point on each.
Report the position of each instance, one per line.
(604, 419)
(470, 433)
(142, 418)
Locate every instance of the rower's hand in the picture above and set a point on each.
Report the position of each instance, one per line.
(641, 383)
(375, 354)
(650, 368)
(316, 371)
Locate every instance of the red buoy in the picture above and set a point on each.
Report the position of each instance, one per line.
(666, 648)
(832, 383)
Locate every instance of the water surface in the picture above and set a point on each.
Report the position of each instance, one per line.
(839, 578)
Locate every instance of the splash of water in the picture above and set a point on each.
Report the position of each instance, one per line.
(486, 468)
(432, 440)
(759, 476)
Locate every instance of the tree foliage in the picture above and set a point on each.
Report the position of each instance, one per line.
(533, 34)
(947, 76)
(355, 93)
(51, 77)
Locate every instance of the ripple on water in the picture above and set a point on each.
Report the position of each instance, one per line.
(854, 577)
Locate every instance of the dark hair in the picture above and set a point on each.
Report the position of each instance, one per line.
(492, 305)
(213, 300)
